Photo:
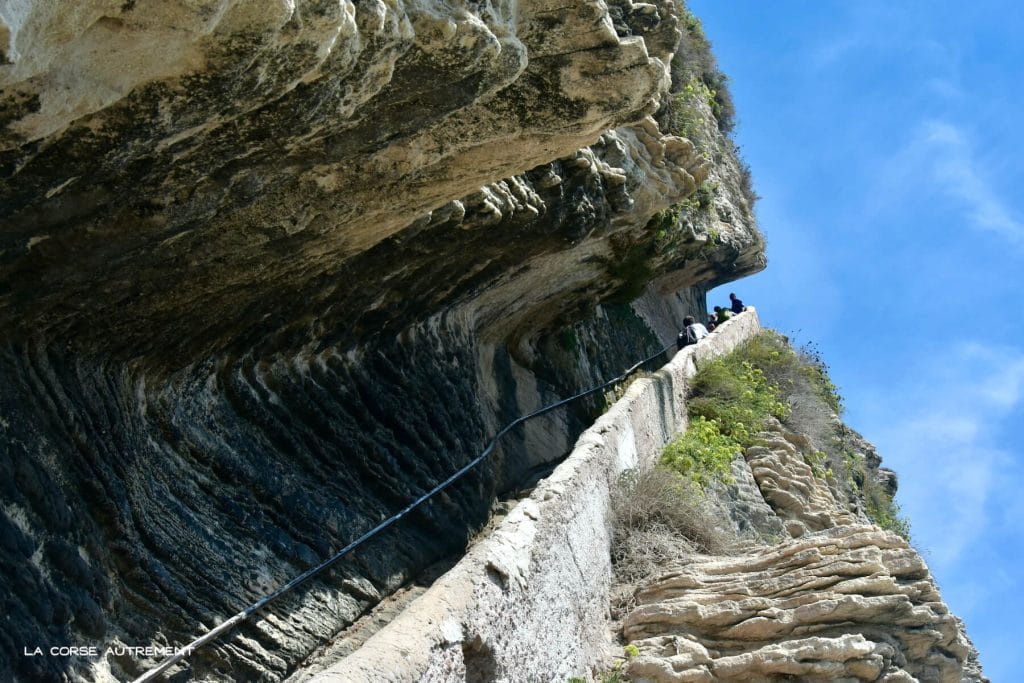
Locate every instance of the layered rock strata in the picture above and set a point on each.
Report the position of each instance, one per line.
(840, 600)
(849, 603)
(269, 270)
(803, 498)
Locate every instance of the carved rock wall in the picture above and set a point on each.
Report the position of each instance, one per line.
(530, 601)
(270, 269)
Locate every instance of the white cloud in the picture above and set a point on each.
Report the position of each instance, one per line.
(946, 483)
(1004, 387)
(946, 427)
(954, 471)
(833, 50)
(945, 88)
(949, 157)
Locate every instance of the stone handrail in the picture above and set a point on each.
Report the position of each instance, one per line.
(532, 598)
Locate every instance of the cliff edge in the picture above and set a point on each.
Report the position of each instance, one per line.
(270, 270)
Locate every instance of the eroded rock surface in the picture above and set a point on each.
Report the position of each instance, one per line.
(798, 492)
(269, 270)
(235, 181)
(842, 600)
(852, 602)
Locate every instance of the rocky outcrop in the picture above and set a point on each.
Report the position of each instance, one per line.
(841, 600)
(269, 270)
(231, 187)
(800, 496)
(849, 603)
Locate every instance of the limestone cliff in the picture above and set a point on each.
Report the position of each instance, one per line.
(270, 269)
(785, 569)
(282, 173)
(831, 597)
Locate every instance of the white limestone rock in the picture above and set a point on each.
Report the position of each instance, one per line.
(846, 603)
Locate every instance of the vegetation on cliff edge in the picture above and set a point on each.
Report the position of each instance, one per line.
(696, 80)
(734, 396)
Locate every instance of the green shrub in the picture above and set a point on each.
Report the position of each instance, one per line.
(683, 115)
(800, 374)
(633, 267)
(883, 510)
(702, 453)
(736, 394)
(816, 460)
(664, 225)
(746, 180)
(694, 60)
(721, 102)
(815, 370)
(731, 400)
(705, 194)
(693, 56)
(613, 676)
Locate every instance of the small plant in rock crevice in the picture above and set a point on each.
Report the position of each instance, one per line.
(882, 509)
(619, 390)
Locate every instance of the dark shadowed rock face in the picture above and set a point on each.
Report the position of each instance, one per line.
(133, 509)
(270, 270)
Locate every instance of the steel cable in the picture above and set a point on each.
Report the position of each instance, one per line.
(218, 630)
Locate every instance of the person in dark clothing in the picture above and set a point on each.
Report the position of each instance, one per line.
(737, 305)
(711, 324)
(692, 332)
(722, 314)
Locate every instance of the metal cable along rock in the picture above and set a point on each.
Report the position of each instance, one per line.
(226, 626)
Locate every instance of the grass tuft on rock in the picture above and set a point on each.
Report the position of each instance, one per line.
(659, 517)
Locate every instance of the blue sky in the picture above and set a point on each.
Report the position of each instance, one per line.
(885, 140)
